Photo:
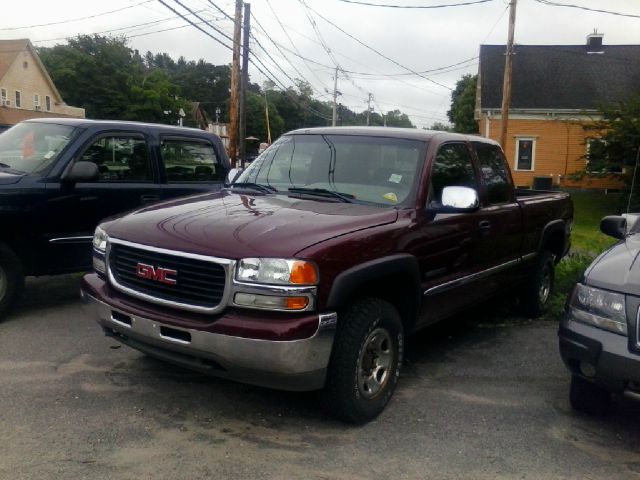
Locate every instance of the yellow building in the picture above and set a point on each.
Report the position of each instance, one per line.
(26, 90)
(556, 91)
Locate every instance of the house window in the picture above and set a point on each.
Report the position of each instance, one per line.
(525, 153)
(36, 101)
(18, 99)
(47, 103)
(3, 97)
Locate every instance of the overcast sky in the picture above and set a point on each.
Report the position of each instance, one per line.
(415, 39)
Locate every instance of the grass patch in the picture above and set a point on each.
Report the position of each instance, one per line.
(587, 242)
(589, 208)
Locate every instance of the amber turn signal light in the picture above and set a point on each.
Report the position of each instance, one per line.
(303, 273)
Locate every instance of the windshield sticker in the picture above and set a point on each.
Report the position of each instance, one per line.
(395, 178)
(392, 197)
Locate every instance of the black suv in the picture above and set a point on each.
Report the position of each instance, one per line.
(600, 334)
(60, 177)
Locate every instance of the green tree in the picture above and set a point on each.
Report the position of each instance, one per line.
(614, 144)
(395, 118)
(443, 127)
(463, 102)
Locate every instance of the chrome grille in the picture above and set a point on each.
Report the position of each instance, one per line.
(199, 282)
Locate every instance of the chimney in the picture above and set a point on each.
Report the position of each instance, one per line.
(594, 42)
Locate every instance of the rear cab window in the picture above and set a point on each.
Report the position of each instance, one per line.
(190, 159)
(495, 173)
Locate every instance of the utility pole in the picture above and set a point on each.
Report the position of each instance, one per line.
(369, 109)
(506, 86)
(235, 87)
(245, 81)
(266, 114)
(335, 96)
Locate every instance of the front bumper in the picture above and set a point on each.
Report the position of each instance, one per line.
(603, 355)
(298, 364)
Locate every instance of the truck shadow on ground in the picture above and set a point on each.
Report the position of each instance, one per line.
(44, 293)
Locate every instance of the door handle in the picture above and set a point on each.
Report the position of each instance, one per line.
(485, 227)
(149, 198)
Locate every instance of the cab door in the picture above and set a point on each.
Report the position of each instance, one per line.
(448, 245)
(127, 180)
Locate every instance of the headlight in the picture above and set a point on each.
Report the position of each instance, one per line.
(277, 271)
(600, 308)
(100, 240)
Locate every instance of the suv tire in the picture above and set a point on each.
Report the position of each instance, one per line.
(587, 397)
(536, 292)
(11, 279)
(365, 362)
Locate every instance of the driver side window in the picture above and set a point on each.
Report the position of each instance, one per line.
(452, 166)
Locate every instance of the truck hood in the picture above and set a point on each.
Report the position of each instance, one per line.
(618, 268)
(9, 178)
(231, 225)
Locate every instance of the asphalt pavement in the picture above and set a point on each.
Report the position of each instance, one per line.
(482, 396)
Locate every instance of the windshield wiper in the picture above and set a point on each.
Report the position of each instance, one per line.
(4, 165)
(323, 192)
(255, 186)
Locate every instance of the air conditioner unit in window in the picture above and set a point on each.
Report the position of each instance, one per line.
(38, 108)
(6, 103)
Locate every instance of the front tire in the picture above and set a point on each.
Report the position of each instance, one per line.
(11, 279)
(587, 397)
(537, 291)
(366, 361)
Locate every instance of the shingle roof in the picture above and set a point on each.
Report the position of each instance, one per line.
(560, 76)
(9, 50)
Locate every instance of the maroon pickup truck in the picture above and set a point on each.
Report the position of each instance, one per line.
(309, 271)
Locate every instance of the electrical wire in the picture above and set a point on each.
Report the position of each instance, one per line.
(580, 7)
(421, 7)
(376, 51)
(131, 28)
(76, 19)
(306, 61)
(196, 26)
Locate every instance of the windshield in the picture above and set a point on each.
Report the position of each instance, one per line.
(365, 169)
(32, 147)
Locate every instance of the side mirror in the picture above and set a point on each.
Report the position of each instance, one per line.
(614, 225)
(457, 200)
(82, 172)
(232, 175)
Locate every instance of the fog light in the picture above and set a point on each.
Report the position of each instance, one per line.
(268, 301)
(587, 369)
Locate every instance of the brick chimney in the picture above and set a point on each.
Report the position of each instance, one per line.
(594, 42)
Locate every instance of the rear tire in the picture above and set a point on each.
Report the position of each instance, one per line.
(587, 397)
(537, 290)
(11, 280)
(365, 361)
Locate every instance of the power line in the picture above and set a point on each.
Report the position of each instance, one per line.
(302, 77)
(131, 28)
(294, 45)
(195, 25)
(202, 19)
(376, 51)
(580, 7)
(421, 7)
(76, 19)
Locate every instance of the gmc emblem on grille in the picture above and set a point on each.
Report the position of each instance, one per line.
(158, 274)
